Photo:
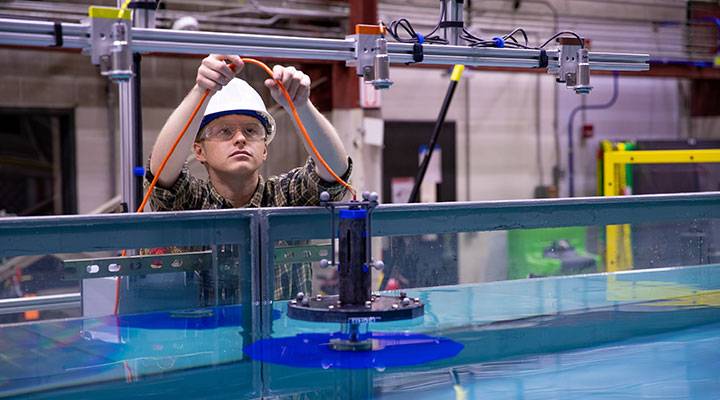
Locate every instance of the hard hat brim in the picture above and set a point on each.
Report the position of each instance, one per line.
(264, 117)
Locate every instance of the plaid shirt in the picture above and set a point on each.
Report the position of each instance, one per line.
(299, 187)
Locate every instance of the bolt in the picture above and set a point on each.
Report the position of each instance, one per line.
(324, 196)
(395, 306)
(406, 302)
(330, 307)
(299, 296)
(293, 302)
(379, 265)
(305, 302)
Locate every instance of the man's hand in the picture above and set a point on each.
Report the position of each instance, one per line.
(215, 72)
(296, 83)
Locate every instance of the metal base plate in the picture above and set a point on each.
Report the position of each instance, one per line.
(380, 309)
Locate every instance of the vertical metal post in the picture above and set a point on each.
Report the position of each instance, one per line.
(456, 14)
(263, 274)
(138, 160)
(453, 14)
(253, 302)
(127, 144)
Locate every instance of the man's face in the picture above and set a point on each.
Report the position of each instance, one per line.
(232, 144)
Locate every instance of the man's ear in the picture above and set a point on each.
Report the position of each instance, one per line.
(199, 152)
(264, 155)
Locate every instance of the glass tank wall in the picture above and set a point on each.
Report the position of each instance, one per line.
(530, 299)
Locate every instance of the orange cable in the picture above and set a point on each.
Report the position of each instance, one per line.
(301, 126)
(189, 122)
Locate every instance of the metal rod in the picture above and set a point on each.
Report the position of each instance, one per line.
(433, 141)
(368, 239)
(50, 302)
(147, 46)
(127, 144)
(456, 11)
(332, 235)
(138, 126)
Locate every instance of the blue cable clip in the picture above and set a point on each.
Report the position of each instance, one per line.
(417, 54)
(499, 42)
(138, 171)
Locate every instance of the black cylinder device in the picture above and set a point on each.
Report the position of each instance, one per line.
(355, 304)
(353, 268)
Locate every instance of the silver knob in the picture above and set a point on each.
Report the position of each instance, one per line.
(378, 265)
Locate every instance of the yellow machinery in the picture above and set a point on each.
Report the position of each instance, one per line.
(616, 157)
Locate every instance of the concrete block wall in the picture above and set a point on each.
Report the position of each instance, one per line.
(66, 80)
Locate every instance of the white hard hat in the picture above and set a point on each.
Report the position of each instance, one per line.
(186, 23)
(237, 97)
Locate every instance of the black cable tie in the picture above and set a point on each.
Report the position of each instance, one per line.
(57, 33)
(451, 24)
(543, 59)
(143, 5)
(418, 55)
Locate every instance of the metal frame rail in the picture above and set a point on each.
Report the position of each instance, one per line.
(42, 34)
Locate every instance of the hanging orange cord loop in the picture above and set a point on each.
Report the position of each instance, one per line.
(205, 95)
(285, 93)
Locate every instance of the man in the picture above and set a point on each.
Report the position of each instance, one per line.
(232, 143)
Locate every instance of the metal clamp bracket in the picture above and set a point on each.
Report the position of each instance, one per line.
(371, 55)
(573, 66)
(110, 42)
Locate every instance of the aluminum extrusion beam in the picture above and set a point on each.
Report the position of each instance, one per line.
(232, 39)
(41, 33)
(40, 40)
